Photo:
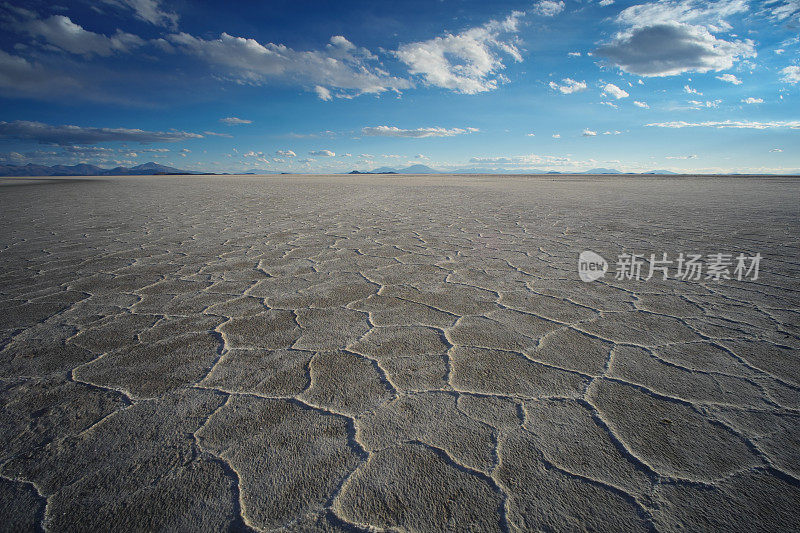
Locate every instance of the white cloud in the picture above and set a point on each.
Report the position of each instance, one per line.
(568, 86)
(64, 135)
(641, 104)
(605, 3)
(322, 153)
(776, 150)
(468, 62)
(60, 32)
(148, 11)
(589, 133)
(730, 78)
(522, 160)
(285, 153)
(615, 91)
(735, 124)
(610, 104)
(235, 121)
(530, 135)
(548, 8)
(574, 54)
(340, 65)
(693, 156)
(323, 93)
(791, 74)
(697, 104)
(689, 90)
(418, 133)
(556, 136)
(780, 10)
(751, 100)
(666, 38)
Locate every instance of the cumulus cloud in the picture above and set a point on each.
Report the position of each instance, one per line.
(776, 150)
(730, 78)
(673, 48)
(589, 133)
(791, 74)
(148, 11)
(735, 124)
(468, 62)
(615, 91)
(285, 153)
(235, 121)
(671, 37)
(556, 136)
(59, 31)
(688, 90)
(568, 86)
(322, 153)
(340, 65)
(66, 135)
(418, 133)
(751, 100)
(548, 8)
(641, 104)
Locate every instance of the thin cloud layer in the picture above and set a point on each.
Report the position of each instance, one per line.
(235, 121)
(469, 62)
(68, 135)
(148, 11)
(418, 133)
(736, 124)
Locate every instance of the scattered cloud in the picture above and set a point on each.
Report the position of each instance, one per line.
(530, 135)
(568, 86)
(215, 134)
(734, 124)
(548, 8)
(730, 78)
(148, 11)
(322, 153)
(556, 136)
(418, 133)
(285, 153)
(235, 121)
(323, 93)
(689, 90)
(693, 156)
(614, 91)
(340, 65)
(641, 104)
(751, 100)
(468, 62)
(67, 135)
(776, 150)
(574, 54)
(791, 74)
(589, 133)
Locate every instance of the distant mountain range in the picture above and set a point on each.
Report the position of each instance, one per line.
(89, 170)
(422, 169)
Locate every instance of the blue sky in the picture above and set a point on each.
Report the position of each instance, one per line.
(334, 86)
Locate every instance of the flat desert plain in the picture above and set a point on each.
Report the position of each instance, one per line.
(410, 353)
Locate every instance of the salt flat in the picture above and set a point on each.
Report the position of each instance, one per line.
(395, 352)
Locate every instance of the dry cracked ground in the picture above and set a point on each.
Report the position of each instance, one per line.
(395, 353)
